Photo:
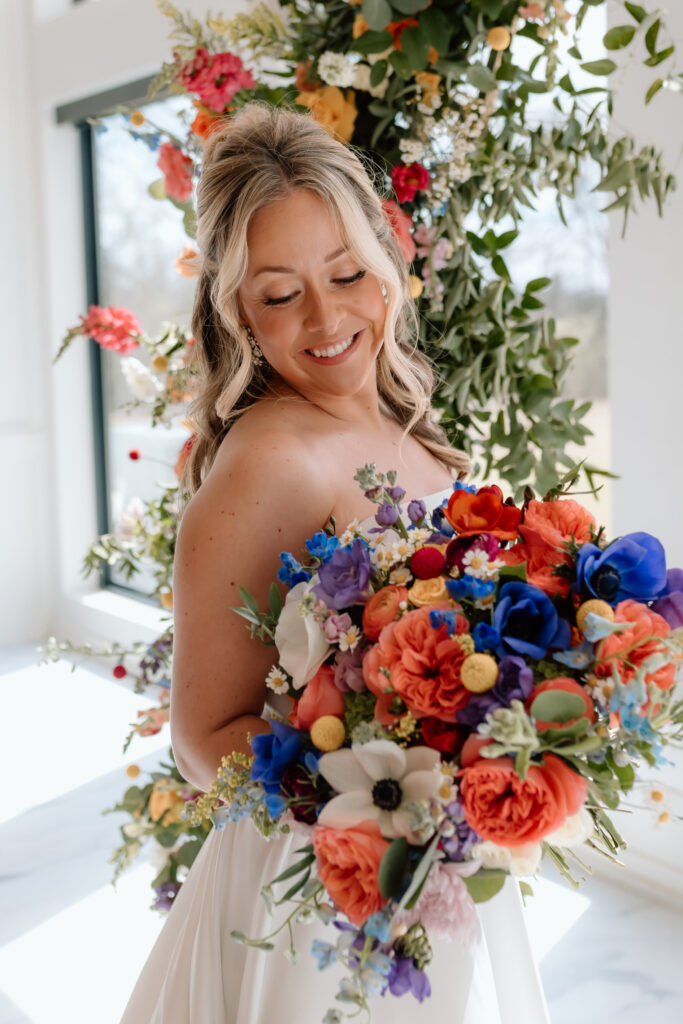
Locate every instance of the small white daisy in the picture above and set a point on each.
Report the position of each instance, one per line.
(348, 640)
(350, 533)
(277, 680)
(401, 576)
(476, 563)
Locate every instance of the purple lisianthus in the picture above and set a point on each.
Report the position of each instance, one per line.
(458, 548)
(166, 894)
(515, 682)
(345, 579)
(417, 510)
(526, 622)
(405, 977)
(386, 514)
(633, 567)
(274, 751)
(348, 672)
(669, 604)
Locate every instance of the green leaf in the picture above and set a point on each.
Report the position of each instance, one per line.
(636, 11)
(419, 875)
(525, 890)
(619, 176)
(157, 189)
(377, 13)
(248, 600)
(481, 78)
(415, 48)
(537, 284)
(506, 239)
(392, 868)
(657, 58)
(574, 52)
(401, 64)
(491, 8)
(187, 853)
(372, 42)
(619, 36)
(274, 601)
(599, 67)
(294, 869)
(578, 728)
(485, 884)
(378, 72)
(516, 571)
(293, 890)
(651, 37)
(410, 6)
(557, 706)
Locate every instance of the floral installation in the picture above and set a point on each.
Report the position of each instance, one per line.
(472, 689)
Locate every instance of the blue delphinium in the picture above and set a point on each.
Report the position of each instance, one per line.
(321, 545)
(274, 751)
(292, 572)
(632, 567)
(470, 587)
(325, 953)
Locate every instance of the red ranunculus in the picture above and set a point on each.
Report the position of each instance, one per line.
(407, 179)
(483, 512)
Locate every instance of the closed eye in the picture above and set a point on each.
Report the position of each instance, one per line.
(343, 281)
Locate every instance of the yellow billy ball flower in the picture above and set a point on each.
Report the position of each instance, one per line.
(479, 673)
(498, 38)
(132, 771)
(137, 118)
(416, 286)
(328, 733)
(597, 607)
(159, 363)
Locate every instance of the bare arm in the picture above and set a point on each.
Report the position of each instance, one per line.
(261, 500)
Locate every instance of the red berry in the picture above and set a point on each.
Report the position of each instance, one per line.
(134, 454)
(427, 563)
(119, 672)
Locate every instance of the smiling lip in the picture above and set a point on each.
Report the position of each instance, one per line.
(334, 360)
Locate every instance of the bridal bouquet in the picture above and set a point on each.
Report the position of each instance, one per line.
(471, 689)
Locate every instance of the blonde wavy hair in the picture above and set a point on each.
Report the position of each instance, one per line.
(263, 154)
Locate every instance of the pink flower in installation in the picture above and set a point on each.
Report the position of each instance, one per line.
(177, 171)
(215, 78)
(115, 329)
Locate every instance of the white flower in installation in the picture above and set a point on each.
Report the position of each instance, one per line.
(141, 382)
(336, 69)
(300, 641)
(376, 780)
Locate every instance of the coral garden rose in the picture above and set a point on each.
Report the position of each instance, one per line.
(540, 561)
(553, 523)
(423, 665)
(483, 512)
(513, 812)
(401, 225)
(177, 171)
(334, 110)
(382, 608)
(320, 697)
(112, 328)
(618, 649)
(348, 866)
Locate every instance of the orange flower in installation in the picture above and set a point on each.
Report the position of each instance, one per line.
(397, 28)
(618, 649)
(183, 455)
(206, 122)
(483, 512)
(348, 866)
(333, 110)
(419, 664)
(511, 811)
(177, 171)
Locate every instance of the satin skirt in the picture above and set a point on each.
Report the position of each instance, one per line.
(197, 974)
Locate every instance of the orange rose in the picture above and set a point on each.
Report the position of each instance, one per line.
(555, 522)
(321, 697)
(513, 812)
(614, 648)
(348, 866)
(539, 566)
(483, 512)
(423, 665)
(569, 686)
(334, 111)
(383, 608)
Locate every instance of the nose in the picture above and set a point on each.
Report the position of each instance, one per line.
(323, 313)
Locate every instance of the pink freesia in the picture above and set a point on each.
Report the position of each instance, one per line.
(177, 171)
(401, 225)
(445, 907)
(215, 78)
(112, 328)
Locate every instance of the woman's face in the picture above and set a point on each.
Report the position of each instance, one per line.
(317, 315)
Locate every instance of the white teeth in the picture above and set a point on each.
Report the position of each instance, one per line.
(335, 351)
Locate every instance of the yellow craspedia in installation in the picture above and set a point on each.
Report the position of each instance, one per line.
(166, 599)
(160, 363)
(596, 607)
(137, 118)
(132, 771)
(416, 286)
(498, 38)
(479, 673)
(328, 733)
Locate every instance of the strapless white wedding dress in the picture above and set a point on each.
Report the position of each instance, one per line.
(197, 974)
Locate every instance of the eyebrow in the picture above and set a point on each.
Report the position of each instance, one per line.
(291, 270)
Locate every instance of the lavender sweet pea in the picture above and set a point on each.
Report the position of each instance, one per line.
(417, 510)
(515, 682)
(345, 579)
(405, 977)
(386, 514)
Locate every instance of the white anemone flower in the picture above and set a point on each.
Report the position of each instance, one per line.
(376, 780)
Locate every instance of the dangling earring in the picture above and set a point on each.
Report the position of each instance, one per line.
(256, 353)
(383, 289)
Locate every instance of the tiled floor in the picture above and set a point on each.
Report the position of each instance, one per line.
(71, 946)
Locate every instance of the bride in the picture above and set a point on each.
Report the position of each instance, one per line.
(304, 333)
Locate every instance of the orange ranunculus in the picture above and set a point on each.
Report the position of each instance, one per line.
(513, 812)
(401, 225)
(348, 865)
(184, 454)
(383, 608)
(646, 624)
(555, 522)
(397, 28)
(321, 697)
(569, 686)
(483, 512)
(206, 122)
(539, 566)
(334, 111)
(424, 668)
